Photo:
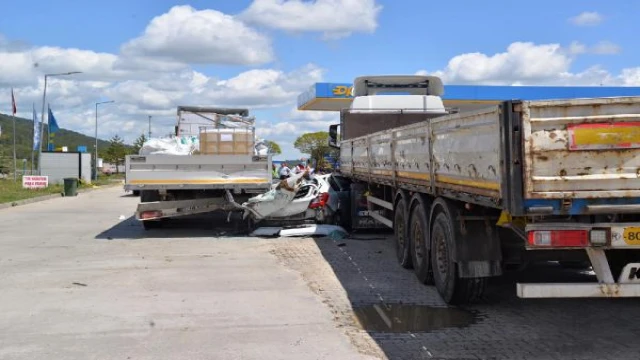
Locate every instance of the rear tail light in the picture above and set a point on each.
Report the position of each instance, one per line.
(320, 201)
(146, 215)
(558, 238)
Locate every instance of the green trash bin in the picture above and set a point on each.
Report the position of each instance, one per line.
(70, 187)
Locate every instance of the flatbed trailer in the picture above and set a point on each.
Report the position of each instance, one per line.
(471, 193)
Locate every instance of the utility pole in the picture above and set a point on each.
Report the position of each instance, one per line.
(149, 137)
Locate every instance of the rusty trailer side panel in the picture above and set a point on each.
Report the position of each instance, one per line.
(515, 156)
(582, 148)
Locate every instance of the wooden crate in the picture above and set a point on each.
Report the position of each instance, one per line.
(226, 142)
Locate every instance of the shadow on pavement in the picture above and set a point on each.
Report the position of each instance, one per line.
(199, 226)
(408, 320)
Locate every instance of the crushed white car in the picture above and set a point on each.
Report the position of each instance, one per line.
(308, 203)
(301, 197)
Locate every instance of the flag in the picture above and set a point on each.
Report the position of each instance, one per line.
(53, 128)
(53, 124)
(36, 130)
(14, 109)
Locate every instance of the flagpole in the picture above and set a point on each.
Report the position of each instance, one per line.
(13, 116)
(15, 163)
(48, 126)
(33, 136)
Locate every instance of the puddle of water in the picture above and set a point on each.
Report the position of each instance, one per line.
(398, 318)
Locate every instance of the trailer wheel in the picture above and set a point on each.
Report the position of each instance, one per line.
(419, 236)
(452, 288)
(402, 241)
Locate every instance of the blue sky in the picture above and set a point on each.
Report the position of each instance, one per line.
(276, 49)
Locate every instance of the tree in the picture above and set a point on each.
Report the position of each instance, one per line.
(137, 145)
(315, 144)
(116, 152)
(273, 147)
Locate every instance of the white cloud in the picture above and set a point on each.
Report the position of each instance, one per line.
(264, 87)
(293, 124)
(185, 34)
(523, 61)
(73, 101)
(149, 78)
(606, 48)
(630, 77)
(600, 48)
(577, 48)
(334, 18)
(297, 122)
(534, 64)
(586, 18)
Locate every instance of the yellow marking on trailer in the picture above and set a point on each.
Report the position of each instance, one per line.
(199, 181)
(414, 175)
(481, 184)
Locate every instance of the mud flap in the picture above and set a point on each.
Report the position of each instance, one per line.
(477, 245)
(478, 252)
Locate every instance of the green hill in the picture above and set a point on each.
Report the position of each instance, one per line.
(24, 138)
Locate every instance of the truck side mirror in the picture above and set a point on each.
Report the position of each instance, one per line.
(333, 136)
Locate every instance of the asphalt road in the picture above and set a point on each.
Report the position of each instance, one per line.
(81, 279)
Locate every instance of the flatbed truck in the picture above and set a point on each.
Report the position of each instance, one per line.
(178, 185)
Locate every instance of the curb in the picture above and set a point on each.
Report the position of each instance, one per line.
(49, 197)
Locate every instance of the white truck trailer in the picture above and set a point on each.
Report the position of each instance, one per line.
(223, 171)
(471, 193)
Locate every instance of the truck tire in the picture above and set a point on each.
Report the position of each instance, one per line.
(136, 192)
(419, 236)
(453, 289)
(401, 237)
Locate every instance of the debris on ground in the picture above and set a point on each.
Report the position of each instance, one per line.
(334, 232)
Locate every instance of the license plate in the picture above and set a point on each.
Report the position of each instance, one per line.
(631, 235)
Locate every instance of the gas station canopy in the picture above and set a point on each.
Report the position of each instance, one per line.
(337, 96)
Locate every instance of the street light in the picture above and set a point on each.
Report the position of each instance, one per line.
(95, 163)
(44, 99)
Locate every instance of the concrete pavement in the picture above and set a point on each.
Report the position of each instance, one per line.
(81, 280)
